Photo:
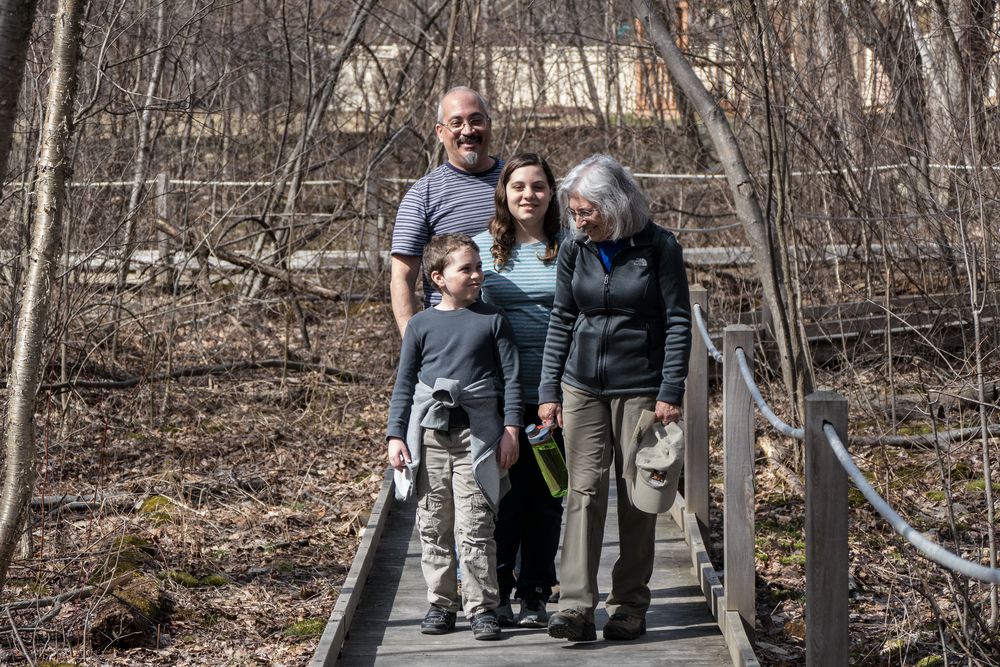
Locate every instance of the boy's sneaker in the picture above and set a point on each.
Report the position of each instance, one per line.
(532, 614)
(437, 621)
(624, 627)
(571, 624)
(505, 613)
(485, 626)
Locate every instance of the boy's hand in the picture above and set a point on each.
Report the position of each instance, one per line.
(550, 414)
(399, 455)
(508, 450)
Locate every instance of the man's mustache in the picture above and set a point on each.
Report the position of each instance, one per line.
(469, 139)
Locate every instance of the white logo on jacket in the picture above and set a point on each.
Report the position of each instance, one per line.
(639, 261)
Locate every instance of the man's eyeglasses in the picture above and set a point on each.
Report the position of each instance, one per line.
(582, 214)
(475, 122)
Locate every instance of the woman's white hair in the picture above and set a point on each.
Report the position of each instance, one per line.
(601, 180)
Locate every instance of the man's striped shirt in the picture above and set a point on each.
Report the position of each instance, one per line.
(447, 200)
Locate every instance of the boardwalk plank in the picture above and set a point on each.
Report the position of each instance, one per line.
(386, 626)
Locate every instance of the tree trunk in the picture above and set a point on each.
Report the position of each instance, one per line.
(16, 17)
(297, 166)
(791, 347)
(25, 368)
(142, 154)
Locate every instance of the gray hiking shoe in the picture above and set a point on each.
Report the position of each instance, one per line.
(485, 626)
(533, 614)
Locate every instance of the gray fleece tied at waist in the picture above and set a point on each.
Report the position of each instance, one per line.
(432, 408)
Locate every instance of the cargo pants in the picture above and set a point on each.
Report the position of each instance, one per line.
(452, 511)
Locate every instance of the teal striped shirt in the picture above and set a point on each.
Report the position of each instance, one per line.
(524, 290)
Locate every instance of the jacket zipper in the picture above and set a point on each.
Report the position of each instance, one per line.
(602, 360)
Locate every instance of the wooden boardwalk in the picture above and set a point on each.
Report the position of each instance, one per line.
(385, 629)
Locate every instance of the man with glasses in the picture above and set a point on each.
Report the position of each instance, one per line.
(456, 197)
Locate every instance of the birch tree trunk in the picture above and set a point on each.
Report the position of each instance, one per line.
(25, 369)
(16, 18)
(791, 347)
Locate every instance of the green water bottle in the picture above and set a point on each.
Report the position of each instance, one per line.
(550, 459)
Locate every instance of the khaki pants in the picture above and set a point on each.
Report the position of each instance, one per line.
(451, 510)
(595, 430)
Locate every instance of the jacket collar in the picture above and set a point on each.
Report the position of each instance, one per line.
(642, 237)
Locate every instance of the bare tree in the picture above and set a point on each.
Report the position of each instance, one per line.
(792, 349)
(24, 376)
(16, 18)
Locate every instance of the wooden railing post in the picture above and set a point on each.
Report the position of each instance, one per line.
(826, 535)
(738, 442)
(696, 424)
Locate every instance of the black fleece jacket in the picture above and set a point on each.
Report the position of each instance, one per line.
(624, 331)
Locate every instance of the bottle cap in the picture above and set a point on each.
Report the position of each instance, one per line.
(535, 434)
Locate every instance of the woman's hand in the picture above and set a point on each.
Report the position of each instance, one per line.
(550, 414)
(667, 412)
(399, 455)
(508, 450)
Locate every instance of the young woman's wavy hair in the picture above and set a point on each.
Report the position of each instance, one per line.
(502, 226)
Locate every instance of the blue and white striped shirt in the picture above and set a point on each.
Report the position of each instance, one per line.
(447, 200)
(524, 290)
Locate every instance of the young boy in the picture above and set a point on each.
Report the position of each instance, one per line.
(448, 438)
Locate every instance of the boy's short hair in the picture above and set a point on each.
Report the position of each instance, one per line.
(438, 248)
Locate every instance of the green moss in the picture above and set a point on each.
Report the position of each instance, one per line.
(131, 541)
(128, 553)
(309, 627)
(936, 496)
(930, 661)
(793, 559)
(778, 593)
(855, 498)
(183, 578)
(143, 595)
(979, 485)
(215, 580)
(158, 508)
(962, 471)
(55, 663)
(916, 429)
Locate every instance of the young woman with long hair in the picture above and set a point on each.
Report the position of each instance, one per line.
(519, 264)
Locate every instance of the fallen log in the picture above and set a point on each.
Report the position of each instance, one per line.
(199, 371)
(925, 440)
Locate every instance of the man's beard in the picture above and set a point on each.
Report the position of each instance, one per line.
(470, 159)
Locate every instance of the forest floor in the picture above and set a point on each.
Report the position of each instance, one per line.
(229, 509)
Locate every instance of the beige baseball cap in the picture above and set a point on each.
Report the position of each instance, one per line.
(659, 456)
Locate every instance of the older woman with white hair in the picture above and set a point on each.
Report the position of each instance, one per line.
(618, 343)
